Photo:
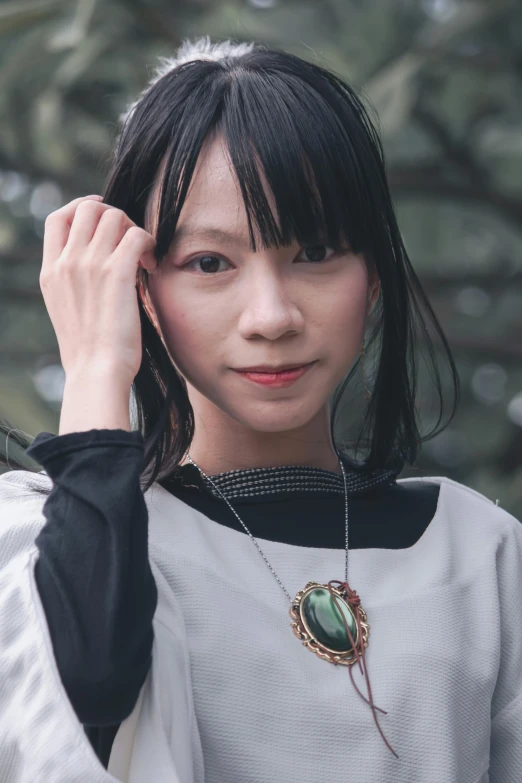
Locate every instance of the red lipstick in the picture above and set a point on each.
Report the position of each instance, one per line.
(276, 379)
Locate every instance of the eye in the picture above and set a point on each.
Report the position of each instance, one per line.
(316, 253)
(209, 263)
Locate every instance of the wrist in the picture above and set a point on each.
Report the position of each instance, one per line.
(105, 372)
(95, 398)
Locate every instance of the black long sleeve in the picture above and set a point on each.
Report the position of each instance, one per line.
(93, 573)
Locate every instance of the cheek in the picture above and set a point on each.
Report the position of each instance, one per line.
(195, 327)
(190, 330)
(344, 312)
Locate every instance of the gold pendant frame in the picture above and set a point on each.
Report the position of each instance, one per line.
(304, 634)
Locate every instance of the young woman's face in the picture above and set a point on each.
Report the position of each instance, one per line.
(221, 307)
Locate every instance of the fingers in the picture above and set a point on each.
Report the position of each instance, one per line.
(87, 215)
(88, 230)
(109, 229)
(149, 262)
(57, 228)
(137, 247)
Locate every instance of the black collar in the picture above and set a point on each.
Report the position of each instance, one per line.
(253, 482)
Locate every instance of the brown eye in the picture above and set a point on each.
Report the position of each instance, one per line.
(208, 264)
(315, 253)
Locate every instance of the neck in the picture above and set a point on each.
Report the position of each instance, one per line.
(221, 444)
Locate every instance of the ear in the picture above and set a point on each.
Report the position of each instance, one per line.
(374, 289)
(144, 295)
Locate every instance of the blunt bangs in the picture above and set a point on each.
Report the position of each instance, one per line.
(273, 124)
(293, 134)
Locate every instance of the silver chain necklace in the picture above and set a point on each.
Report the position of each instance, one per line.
(329, 620)
(254, 540)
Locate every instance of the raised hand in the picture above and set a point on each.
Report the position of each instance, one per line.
(88, 278)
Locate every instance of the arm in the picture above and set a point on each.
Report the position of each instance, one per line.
(40, 735)
(61, 605)
(506, 707)
(93, 573)
(94, 398)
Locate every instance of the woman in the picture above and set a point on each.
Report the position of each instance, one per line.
(248, 206)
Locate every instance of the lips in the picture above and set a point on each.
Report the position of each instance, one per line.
(276, 379)
(264, 368)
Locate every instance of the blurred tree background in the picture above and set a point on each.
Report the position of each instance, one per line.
(445, 80)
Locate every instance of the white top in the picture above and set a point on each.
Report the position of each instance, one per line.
(232, 696)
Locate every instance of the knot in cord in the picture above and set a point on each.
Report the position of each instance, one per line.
(354, 601)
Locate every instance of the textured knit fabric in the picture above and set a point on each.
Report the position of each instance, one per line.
(232, 695)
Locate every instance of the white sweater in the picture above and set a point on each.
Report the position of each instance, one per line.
(233, 696)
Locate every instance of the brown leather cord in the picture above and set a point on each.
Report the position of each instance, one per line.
(353, 599)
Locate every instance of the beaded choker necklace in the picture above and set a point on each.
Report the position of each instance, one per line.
(248, 483)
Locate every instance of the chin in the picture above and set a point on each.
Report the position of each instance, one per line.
(279, 414)
(276, 416)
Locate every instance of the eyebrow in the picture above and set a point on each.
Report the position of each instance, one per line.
(210, 233)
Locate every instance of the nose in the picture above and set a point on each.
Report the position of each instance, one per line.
(268, 310)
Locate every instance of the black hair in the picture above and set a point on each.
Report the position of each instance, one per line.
(310, 134)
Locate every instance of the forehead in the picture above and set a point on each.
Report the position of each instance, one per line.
(214, 195)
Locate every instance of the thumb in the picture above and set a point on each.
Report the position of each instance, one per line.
(148, 261)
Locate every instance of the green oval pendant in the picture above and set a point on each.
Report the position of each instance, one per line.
(324, 622)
